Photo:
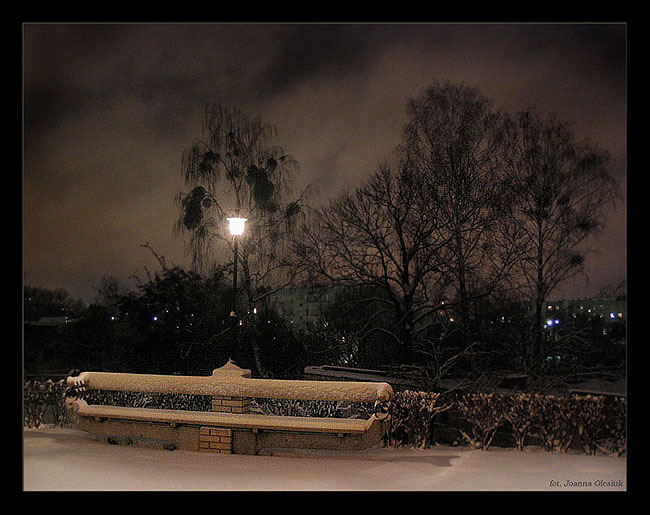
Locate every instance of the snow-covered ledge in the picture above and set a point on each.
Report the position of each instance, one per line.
(233, 381)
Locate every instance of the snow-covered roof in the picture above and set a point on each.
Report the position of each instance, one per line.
(52, 321)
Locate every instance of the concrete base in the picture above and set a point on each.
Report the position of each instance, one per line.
(253, 441)
(224, 439)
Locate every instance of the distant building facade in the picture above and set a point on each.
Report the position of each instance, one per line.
(302, 306)
(607, 309)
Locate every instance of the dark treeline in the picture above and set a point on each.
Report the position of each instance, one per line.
(175, 322)
(178, 322)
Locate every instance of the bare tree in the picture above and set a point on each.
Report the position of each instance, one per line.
(558, 189)
(430, 230)
(452, 139)
(384, 235)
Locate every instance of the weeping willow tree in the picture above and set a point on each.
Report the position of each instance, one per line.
(235, 166)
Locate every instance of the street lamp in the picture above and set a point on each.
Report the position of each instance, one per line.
(236, 227)
(236, 224)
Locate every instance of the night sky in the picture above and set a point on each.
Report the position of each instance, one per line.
(109, 108)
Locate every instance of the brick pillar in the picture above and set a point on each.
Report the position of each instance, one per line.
(227, 404)
(215, 439)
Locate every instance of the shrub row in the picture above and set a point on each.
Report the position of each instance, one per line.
(585, 422)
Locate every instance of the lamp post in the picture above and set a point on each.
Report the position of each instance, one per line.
(236, 227)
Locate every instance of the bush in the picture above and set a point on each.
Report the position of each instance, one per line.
(614, 427)
(41, 396)
(517, 414)
(412, 415)
(553, 420)
(601, 423)
(484, 413)
(589, 422)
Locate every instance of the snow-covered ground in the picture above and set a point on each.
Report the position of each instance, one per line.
(67, 459)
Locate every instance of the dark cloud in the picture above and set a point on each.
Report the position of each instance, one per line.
(316, 52)
(109, 109)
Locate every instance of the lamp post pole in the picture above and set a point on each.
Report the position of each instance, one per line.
(234, 279)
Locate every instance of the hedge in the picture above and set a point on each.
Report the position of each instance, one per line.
(589, 423)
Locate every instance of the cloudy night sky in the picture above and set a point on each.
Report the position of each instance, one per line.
(109, 108)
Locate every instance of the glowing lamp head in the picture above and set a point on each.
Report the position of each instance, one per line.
(236, 225)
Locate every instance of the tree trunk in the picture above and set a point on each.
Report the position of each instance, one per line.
(257, 355)
(247, 290)
(406, 332)
(536, 357)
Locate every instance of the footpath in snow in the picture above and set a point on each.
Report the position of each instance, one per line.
(56, 459)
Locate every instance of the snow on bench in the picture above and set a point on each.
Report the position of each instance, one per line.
(229, 427)
(235, 382)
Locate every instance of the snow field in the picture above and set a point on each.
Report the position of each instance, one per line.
(56, 459)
